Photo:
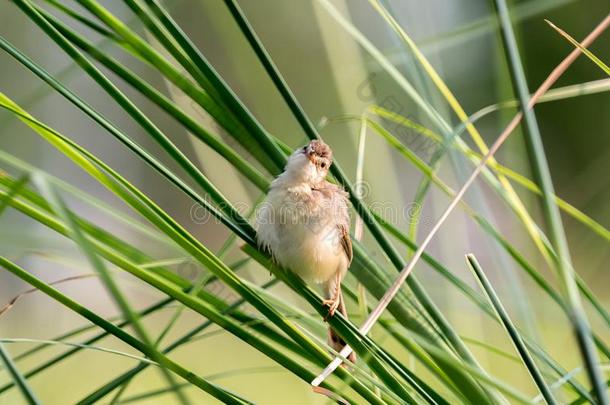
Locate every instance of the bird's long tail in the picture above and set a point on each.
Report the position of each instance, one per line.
(334, 340)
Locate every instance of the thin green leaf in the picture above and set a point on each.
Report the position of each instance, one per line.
(162, 101)
(13, 191)
(225, 374)
(18, 378)
(162, 169)
(227, 119)
(450, 363)
(113, 289)
(584, 50)
(419, 164)
(87, 198)
(511, 174)
(206, 386)
(79, 345)
(219, 89)
(85, 21)
(132, 110)
(512, 331)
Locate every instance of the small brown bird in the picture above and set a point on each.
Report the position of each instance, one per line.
(304, 224)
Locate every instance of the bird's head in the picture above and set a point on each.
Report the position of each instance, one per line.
(310, 163)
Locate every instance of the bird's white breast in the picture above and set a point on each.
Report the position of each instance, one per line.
(300, 230)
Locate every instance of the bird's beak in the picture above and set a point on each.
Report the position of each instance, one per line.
(310, 155)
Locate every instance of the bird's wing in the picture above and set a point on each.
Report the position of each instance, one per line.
(339, 203)
(346, 242)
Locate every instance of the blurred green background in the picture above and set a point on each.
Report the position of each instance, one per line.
(331, 75)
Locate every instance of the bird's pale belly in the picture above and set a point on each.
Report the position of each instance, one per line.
(313, 252)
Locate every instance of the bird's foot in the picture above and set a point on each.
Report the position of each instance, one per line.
(332, 304)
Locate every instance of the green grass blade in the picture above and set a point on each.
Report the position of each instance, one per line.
(97, 232)
(85, 21)
(13, 191)
(18, 378)
(227, 119)
(80, 346)
(558, 239)
(483, 378)
(199, 284)
(206, 386)
(428, 171)
(125, 377)
(425, 392)
(512, 331)
(563, 374)
(225, 374)
(486, 24)
(168, 42)
(136, 46)
(419, 164)
(113, 289)
(51, 362)
(242, 165)
(558, 93)
(164, 141)
(451, 365)
(583, 400)
(162, 169)
(74, 332)
(509, 173)
(469, 293)
(219, 88)
(584, 50)
(464, 382)
(514, 253)
(271, 69)
(86, 198)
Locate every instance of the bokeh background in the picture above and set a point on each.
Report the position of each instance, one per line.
(331, 75)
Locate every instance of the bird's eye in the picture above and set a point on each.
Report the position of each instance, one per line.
(323, 165)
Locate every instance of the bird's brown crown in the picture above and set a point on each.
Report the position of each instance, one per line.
(320, 149)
